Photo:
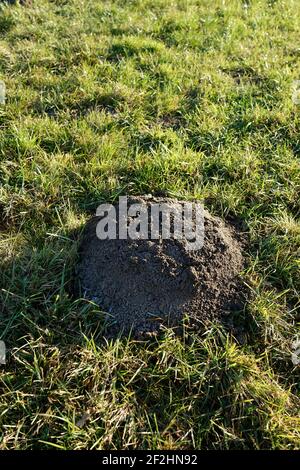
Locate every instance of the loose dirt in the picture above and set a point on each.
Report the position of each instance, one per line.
(144, 284)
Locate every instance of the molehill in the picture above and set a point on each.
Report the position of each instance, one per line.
(141, 285)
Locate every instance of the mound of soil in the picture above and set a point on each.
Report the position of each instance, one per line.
(143, 284)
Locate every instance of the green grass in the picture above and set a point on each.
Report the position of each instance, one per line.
(187, 98)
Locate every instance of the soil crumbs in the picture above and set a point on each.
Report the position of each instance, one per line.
(142, 285)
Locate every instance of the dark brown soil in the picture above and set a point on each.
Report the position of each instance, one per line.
(143, 284)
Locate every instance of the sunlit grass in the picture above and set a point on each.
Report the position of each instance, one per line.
(189, 99)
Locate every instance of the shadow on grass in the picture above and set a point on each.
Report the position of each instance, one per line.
(181, 388)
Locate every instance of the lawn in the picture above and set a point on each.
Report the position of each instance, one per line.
(183, 98)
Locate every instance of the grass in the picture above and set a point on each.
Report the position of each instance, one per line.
(190, 99)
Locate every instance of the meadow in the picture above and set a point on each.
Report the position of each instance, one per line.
(182, 98)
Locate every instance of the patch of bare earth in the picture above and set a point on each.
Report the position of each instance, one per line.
(144, 284)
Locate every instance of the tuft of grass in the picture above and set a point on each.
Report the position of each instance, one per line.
(191, 99)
